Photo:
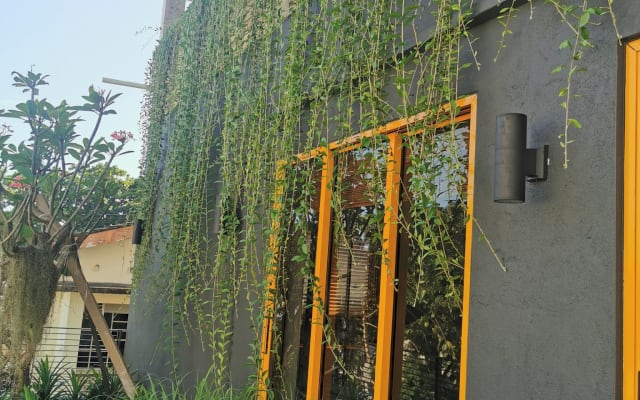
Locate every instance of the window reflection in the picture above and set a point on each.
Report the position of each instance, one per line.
(295, 283)
(427, 330)
(431, 269)
(352, 307)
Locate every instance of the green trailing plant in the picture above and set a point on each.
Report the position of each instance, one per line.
(235, 94)
(55, 188)
(203, 119)
(579, 17)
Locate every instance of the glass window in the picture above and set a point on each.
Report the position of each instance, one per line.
(369, 287)
(293, 291)
(430, 269)
(89, 347)
(354, 271)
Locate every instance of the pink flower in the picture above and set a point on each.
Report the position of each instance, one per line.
(17, 184)
(121, 136)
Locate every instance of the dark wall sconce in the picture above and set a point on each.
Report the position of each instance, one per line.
(138, 230)
(515, 164)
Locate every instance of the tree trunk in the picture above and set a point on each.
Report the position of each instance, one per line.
(28, 294)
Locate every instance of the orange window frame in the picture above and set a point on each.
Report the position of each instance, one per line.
(466, 111)
(631, 229)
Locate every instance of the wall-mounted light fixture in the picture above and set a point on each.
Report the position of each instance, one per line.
(515, 164)
(138, 231)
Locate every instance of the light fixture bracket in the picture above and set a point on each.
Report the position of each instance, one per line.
(536, 163)
(515, 164)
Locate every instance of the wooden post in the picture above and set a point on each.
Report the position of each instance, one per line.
(73, 265)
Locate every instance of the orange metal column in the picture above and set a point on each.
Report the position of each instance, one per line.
(384, 347)
(631, 257)
(466, 288)
(322, 261)
(267, 324)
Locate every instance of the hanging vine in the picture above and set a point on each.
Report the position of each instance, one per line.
(235, 94)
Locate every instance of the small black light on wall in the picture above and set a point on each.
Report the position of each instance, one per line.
(138, 230)
(515, 164)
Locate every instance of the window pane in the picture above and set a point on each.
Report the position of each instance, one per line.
(352, 307)
(89, 347)
(431, 267)
(294, 287)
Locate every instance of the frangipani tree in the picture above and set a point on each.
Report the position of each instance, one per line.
(55, 187)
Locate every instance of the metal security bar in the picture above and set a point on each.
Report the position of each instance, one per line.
(77, 348)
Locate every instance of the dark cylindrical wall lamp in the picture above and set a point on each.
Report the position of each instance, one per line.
(138, 230)
(514, 163)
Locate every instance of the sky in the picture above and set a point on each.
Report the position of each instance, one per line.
(77, 43)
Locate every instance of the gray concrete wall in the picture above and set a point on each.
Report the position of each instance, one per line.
(151, 336)
(171, 10)
(548, 327)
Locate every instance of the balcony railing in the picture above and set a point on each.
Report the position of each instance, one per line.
(75, 348)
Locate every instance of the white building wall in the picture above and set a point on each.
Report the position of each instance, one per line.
(107, 261)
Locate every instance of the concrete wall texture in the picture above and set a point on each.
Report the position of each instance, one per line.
(548, 327)
(171, 10)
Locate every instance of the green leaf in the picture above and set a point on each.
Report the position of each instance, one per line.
(14, 114)
(557, 69)
(102, 147)
(73, 153)
(24, 170)
(584, 35)
(565, 44)
(85, 107)
(584, 19)
(574, 122)
(31, 108)
(22, 107)
(76, 146)
(299, 258)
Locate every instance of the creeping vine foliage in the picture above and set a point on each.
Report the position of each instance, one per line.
(579, 17)
(236, 90)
